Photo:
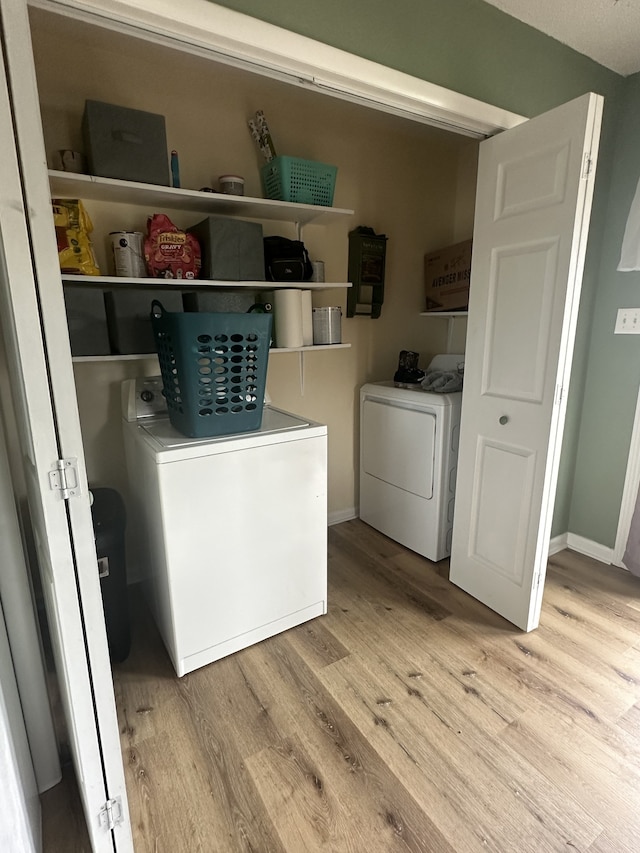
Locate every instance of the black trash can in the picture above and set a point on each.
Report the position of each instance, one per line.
(109, 522)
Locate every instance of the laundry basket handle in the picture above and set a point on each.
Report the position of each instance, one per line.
(157, 309)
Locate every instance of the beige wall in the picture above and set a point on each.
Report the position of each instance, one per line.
(413, 183)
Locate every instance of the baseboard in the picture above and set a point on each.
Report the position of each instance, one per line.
(342, 515)
(557, 544)
(589, 548)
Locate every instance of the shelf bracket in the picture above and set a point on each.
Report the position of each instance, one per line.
(298, 230)
(301, 369)
(450, 322)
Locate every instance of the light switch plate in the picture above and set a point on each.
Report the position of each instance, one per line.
(627, 322)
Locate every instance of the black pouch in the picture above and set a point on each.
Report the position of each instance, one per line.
(286, 260)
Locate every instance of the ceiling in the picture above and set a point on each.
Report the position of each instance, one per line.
(607, 31)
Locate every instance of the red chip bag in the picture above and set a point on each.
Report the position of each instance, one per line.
(169, 252)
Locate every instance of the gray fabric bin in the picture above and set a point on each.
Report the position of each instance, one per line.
(127, 144)
(232, 250)
(86, 320)
(128, 318)
(225, 301)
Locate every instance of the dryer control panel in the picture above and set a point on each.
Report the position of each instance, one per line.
(142, 398)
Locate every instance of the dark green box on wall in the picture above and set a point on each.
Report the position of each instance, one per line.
(367, 257)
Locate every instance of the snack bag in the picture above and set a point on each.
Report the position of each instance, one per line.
(73, 226)
(169, 252)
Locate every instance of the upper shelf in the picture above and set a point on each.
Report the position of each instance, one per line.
(90, 187)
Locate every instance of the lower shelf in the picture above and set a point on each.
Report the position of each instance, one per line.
(143, 355)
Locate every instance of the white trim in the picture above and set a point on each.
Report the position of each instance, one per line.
(557, 544)
(206, 29)
(582, 546)
(341, 515)
(629, 492)
(589, 548)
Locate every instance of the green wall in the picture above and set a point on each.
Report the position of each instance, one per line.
(473, 48)
(464, 45)
(613, 366)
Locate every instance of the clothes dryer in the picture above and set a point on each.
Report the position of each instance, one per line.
(408, 462)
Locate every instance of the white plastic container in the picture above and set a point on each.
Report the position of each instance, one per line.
(231, 184)
(327, 325)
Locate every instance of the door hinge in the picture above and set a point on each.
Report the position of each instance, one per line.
(64, 478)
(559, 394)
(103, 567)
(111, 814)
(587, 165)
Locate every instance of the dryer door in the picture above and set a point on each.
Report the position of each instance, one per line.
(398, 446)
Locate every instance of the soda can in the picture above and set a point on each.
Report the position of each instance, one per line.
(128, 253)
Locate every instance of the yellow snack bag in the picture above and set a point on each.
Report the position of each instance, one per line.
(73, 226)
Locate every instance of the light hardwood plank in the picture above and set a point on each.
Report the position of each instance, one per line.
(366, 812)
(449, 763)
(409, 718)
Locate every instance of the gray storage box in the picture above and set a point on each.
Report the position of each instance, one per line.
(232, 250)
(87, 320)
(128, 318)
(226, 301)
(126, 144)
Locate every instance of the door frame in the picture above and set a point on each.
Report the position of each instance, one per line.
(629, 491)
(37, 346)
(233, 38)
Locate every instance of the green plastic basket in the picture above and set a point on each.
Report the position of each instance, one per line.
(299, 181)
(214, 369)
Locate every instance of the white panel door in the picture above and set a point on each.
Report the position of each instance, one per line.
(535, 185)
(34, 325)
(20, 830)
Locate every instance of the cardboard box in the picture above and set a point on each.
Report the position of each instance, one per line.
(127, 144)
(447, 273)
(232, 250)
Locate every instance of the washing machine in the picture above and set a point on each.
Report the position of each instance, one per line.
(229, 534)
(408, 461)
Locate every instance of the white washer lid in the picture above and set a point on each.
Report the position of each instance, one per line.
(168, 437)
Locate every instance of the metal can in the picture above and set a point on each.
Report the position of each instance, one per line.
(326, 325)
(128, 253)
(318, 271)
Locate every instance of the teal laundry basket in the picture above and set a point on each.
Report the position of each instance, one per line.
(214, 369)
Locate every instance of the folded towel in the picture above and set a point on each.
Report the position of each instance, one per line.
(442, 381)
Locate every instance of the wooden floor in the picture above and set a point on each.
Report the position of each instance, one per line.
(409, 718)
